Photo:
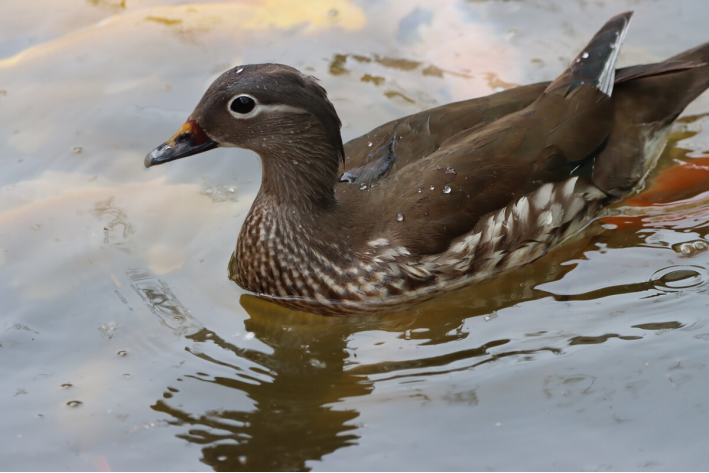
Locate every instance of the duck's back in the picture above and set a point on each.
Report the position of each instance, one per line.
(430, 177)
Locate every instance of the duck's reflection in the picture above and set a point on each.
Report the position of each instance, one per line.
(296, 389)
(295, 419)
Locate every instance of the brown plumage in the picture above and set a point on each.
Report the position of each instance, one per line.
(436, 200)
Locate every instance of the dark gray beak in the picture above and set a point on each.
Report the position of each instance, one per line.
(190, 139)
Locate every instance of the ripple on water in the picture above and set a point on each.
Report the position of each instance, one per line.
(681, 278)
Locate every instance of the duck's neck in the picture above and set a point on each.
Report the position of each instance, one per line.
(295, 226)
(300, 168)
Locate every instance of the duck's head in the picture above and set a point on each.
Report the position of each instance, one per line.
(265, 108)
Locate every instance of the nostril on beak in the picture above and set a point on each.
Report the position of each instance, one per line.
(184, 137)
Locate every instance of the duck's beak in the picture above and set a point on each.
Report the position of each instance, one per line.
(190, 139)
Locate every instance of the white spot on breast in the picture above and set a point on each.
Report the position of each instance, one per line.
(378, 242)
(541, 196)
(557, 212)
(545, 218)
(569, 187)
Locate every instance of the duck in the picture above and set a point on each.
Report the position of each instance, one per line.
(438, 200)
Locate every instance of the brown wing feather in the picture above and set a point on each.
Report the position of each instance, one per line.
(417, 136)
(491, 151)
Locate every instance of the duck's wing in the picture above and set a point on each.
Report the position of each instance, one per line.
(485, 168)
(396, 144)
(401, 142)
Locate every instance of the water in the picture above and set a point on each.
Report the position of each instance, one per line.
(123, 346)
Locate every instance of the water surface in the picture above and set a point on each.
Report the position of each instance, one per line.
(123, 346)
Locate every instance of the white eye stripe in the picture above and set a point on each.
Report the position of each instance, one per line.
(260, 108)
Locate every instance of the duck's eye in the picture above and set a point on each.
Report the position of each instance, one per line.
(242, 104)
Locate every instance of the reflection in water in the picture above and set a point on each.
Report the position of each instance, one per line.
(296, 388)
(299, 384)
(295, 418)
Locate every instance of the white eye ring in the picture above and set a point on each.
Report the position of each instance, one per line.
(259, 107)
(253, 111)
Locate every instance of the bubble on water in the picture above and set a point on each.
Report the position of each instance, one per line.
(400, 217)
(700, 245)
(74, 403)
(446, 190)
(690, 248)
(108, 330)
(77, 149)
(122, 353)
(314, 362)
(218, 192)
(686, 249)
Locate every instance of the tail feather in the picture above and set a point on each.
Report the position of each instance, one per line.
(595, 65)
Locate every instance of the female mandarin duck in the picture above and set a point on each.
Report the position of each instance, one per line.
(439, 199)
